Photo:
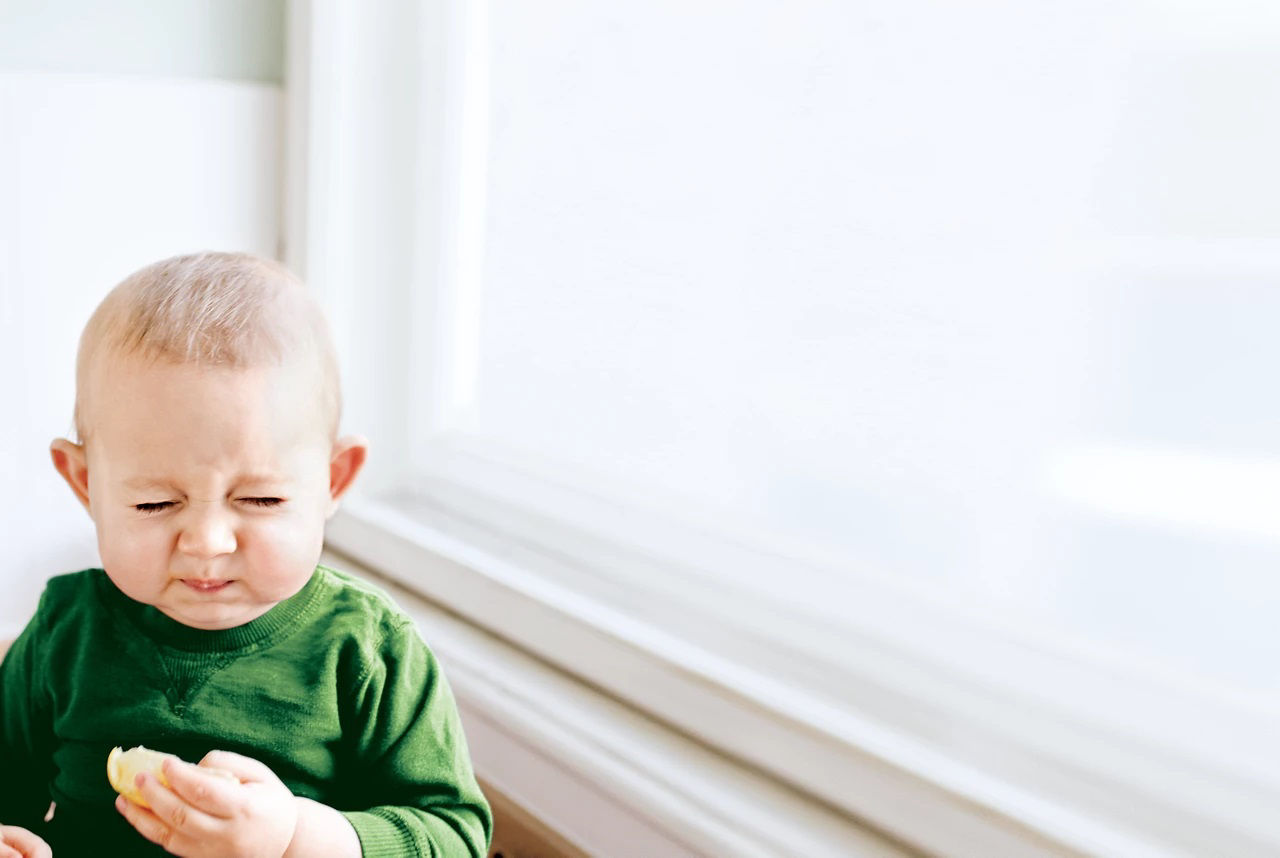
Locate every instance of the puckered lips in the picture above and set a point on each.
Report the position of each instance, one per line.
(207, 585)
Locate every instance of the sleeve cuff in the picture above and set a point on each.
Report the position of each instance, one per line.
(381, 835)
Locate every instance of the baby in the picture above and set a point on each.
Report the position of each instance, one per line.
(207, 407)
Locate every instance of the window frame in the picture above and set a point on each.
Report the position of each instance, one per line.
(349, 145)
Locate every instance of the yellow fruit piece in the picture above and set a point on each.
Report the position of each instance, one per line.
(124, 766)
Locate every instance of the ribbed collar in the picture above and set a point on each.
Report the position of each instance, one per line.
(167, 631)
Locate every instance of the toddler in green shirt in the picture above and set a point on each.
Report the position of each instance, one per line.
(207, 408)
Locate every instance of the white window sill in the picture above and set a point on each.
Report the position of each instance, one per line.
(986, 772)
(607, 778)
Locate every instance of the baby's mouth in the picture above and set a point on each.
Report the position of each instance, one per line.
(202, 585)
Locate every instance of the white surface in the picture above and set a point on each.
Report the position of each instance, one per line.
(853, 281)
(98, 177)
(864, 277)
(229, 39)
(611, 781)
(1005, 747)
(355, 210)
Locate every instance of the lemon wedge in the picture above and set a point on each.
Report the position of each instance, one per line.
(124, 766)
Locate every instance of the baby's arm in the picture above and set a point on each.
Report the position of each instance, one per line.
(414, 775)
(200, 814)
(322, 832)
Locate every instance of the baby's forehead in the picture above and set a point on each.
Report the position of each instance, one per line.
(204, 465)
(252, 417)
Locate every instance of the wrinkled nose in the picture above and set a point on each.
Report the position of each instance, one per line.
(207, 533)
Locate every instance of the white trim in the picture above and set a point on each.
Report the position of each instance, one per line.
(354, 210)
(612, 782)
(299, 141)
(460, 334)
(1063, 777)
(435, 190)
(477, 479)
(868, 770)
(450, 186)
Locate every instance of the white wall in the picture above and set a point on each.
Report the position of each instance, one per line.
(124, 138)
(222, 39)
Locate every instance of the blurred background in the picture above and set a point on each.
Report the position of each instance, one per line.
(898, 367)
(128, 132)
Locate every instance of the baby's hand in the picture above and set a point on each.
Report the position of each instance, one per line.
(200, 814)
(17, 842)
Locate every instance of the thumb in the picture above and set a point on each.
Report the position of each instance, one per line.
(247, 769)
(22, 843)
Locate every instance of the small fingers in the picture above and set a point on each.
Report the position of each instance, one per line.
(207, 792)
(20, 843)
(246, 769)
(145, 822)
(170, 808)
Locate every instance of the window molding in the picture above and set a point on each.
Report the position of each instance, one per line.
(908, 789)
(369, 205)
(611, 781)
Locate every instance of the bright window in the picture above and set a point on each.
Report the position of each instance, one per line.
(910, 361)
(980, 299)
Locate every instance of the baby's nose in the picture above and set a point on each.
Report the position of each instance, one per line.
(207, 533)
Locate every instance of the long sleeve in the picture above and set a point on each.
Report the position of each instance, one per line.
(422, 795)
(25, 732)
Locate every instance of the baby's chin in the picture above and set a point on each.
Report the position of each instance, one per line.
(213, 617)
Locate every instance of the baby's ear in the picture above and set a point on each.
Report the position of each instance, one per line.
(346, 461)
(70, 461)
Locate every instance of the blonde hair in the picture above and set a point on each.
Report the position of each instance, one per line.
(210, 309)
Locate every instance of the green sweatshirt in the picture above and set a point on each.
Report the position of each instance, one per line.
(333, 689)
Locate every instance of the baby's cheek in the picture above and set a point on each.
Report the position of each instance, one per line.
(126, 546)
(286, 550)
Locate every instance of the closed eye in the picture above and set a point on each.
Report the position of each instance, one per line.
(263, 501)
(152, 507)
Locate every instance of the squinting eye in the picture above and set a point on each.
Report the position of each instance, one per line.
(152, 507)
(262, 501)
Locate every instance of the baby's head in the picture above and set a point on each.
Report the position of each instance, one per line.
(207, 407)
